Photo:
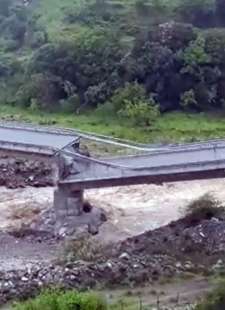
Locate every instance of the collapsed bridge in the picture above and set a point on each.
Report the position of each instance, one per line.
(72, 171)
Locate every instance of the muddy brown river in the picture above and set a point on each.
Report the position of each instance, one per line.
(130, 210)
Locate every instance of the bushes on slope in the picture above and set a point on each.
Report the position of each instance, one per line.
(57, 300)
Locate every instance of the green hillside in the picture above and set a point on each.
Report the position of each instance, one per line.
(132, 60)
(52, 13)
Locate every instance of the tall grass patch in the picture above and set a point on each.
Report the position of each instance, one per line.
(57, 300)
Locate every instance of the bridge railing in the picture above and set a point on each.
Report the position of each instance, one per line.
(26, 148)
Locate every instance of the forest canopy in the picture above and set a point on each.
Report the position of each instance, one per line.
(137, 58)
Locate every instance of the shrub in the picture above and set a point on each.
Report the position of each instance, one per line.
(206, 95)
(142, 113)
(130, 93)
(215, 45)
(214, 300)
(5, 7)
(205, 207)
(96, 94)
(58, 300)
(10, 45)
(195, 54)
(201, 13)
(89, 63)
(46, 89)
(106, 110)
(220, 11)
(188, 99)
(131, 102)
(38, 39)
(71, 104)
(84, 247)
(14, 28)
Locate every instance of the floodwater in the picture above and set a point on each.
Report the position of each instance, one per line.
(131, 210)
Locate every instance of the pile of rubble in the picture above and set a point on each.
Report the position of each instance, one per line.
(182, 241)
(20, 172)
(124, 270)
(165, 252)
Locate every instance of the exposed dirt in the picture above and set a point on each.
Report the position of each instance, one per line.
(183, 241)
(17, 253)
(17, 171)
(175, 294)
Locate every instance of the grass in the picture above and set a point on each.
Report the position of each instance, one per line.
(215, 300)
(70, 300)
(52, 13)
(170, 127)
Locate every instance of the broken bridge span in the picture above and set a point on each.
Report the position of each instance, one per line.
(74, 171)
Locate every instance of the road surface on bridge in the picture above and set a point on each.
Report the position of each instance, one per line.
(176, 156)
(163, 164)
(34, 138)
(179, 163)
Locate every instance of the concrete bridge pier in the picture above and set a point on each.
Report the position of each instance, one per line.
(68, 204)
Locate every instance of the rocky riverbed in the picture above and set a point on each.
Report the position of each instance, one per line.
(163, 253)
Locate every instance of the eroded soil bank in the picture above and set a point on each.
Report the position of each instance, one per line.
(148, 247)
(20, 170)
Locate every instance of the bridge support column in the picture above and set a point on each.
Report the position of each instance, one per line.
(68, 204)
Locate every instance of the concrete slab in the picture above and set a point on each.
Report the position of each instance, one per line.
(35, 138)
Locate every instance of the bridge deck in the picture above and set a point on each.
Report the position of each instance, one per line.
(165, 166)
(183, 162)
(17, 138)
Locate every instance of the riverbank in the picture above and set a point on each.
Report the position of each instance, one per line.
(151, 252)
(169, 127)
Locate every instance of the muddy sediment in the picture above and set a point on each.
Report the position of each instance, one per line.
(177, 246)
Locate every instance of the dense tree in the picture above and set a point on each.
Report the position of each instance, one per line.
(220, 11)
(201, 13)
(108, 51)
(5, 6)
(90, 65)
